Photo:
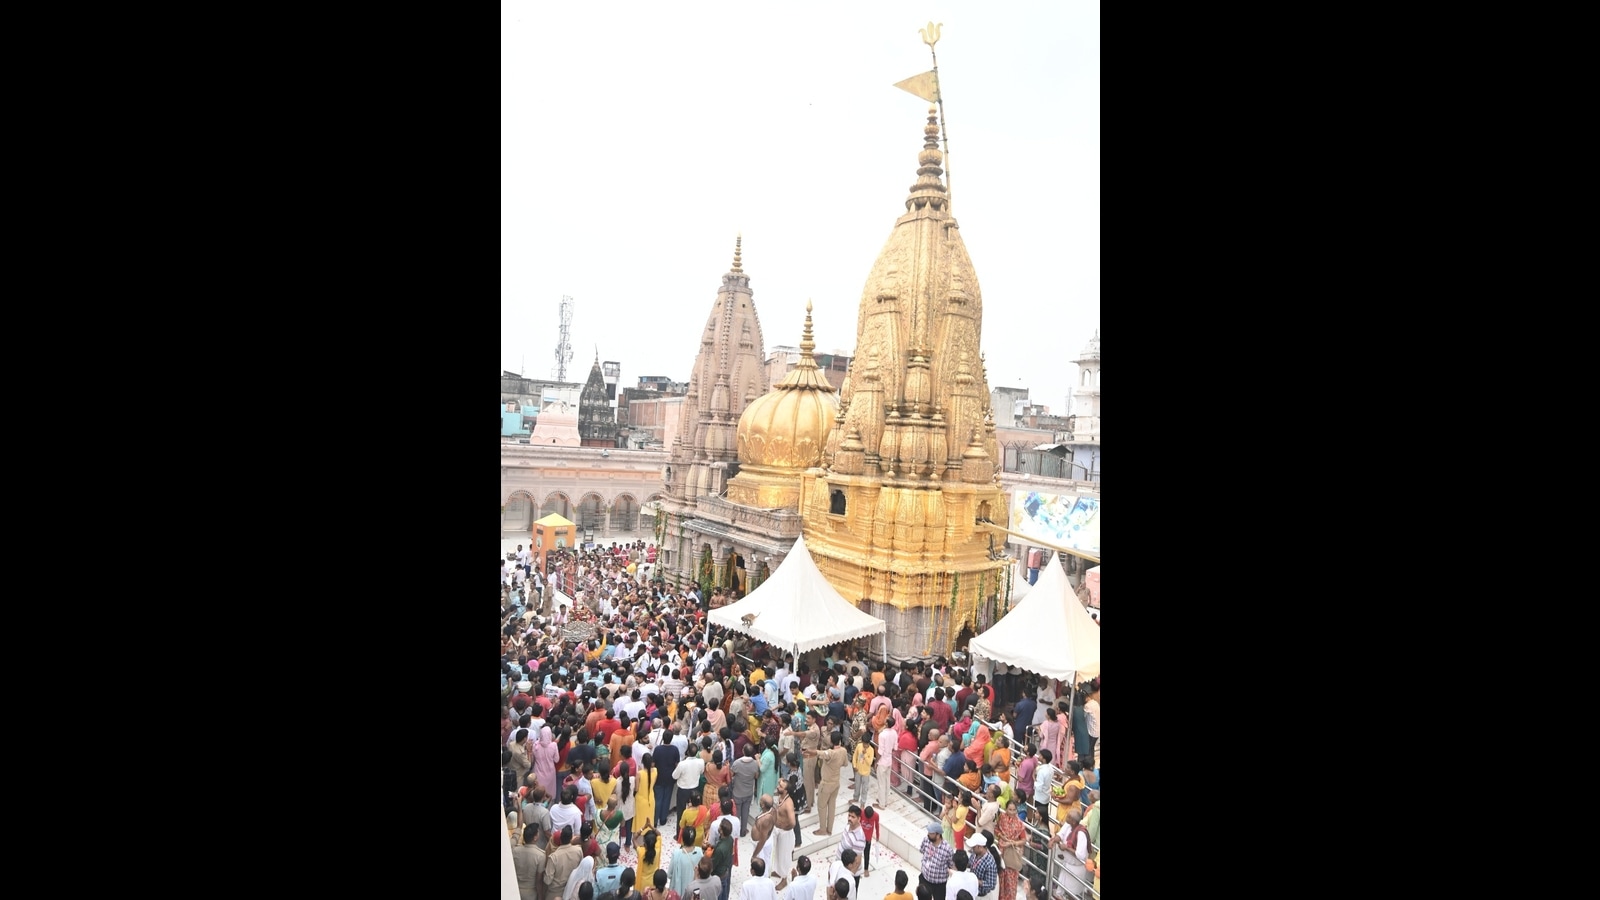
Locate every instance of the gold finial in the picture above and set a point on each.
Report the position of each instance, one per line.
(737, 240)
(806, 343)
(930, 33)
(808, 311)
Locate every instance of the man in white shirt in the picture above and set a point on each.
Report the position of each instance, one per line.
(687, 775)
(635, 705)
(1047, 699)
(846, 867)
(713, 693)
(990, 813)
(524, 557)
(962, 878)
(673, 686)
(727, 815)
(625, 651)
(565, 813)
(804, 885)
(537, 723)
(758, 886)
(645, 661)
(1043, 775)
(585, 789)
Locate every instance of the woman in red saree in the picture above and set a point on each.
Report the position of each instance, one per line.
(1012, 838)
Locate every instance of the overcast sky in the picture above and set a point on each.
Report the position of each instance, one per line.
(638, 138)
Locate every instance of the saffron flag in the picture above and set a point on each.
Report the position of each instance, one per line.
(925, 86)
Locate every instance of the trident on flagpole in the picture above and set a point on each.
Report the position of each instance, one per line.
(930, 36)
(926, 86)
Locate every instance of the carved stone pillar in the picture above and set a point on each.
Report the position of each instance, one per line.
(720, 555)
(605, 523)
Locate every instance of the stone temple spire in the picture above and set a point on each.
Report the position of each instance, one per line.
(729, 371)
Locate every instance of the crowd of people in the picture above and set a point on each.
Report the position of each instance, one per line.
(638, 747)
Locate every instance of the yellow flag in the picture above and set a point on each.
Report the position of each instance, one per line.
(925, 86)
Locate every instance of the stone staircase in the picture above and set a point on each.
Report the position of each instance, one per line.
(901, 827)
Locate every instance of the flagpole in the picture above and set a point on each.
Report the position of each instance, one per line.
(944, 131)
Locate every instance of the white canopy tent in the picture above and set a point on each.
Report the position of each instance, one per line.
(1048, 632)
(797, 610)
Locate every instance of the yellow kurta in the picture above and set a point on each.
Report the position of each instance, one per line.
(602, 791)
(644, 801)
(646, 872)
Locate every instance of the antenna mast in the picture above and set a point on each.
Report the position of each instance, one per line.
(564, 346)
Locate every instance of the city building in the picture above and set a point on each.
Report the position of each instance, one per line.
(557, 423)
(1007, 403)
(648, 428)
(653, 423)
(516, 420)
(529, 392)
(783, 359)
(611, 373)
(606, 492)
(597, 421)
(1084, 443)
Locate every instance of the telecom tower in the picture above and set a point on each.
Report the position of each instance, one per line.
(564, 346)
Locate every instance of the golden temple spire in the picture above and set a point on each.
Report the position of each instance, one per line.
(806, 374)
(929, 189)
(736, 241)
(806, 343)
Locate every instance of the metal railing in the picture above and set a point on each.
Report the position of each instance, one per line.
(1041, 857)
(1018, 751)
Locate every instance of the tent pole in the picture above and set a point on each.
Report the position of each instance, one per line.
(1072, 694)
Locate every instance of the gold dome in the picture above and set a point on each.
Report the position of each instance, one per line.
(788, 427)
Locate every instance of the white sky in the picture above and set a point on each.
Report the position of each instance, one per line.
(638, 138)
